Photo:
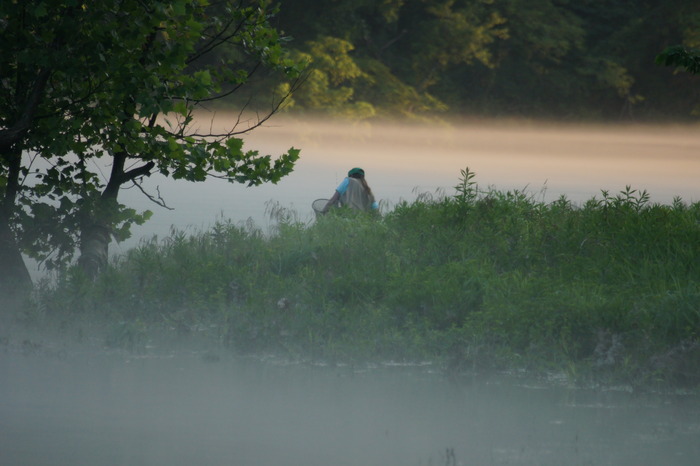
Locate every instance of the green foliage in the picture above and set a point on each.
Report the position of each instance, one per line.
(88, 84)
(329, 84)
(478, 279)
(467, 189)
(682, 57)
(466, 31)
(393, 97)
(535, 58)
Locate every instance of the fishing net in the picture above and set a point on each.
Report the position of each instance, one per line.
(318, 206)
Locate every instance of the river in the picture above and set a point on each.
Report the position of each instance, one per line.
(67, 407)
(402, 161)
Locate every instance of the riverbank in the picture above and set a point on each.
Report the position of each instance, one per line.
(605, 292)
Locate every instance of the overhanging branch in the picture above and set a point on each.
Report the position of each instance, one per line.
(158, 200)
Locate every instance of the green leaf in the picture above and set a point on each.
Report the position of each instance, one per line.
(235, 145)
(40, 11)
(180, 107)
(203, 77)
(179, 7)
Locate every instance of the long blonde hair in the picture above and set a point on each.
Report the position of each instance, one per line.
(365, 186)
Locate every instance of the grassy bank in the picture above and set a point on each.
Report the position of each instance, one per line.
(605, 291)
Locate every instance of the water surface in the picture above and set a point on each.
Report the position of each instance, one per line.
(189, 408)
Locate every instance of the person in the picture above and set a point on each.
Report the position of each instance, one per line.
(353, 192)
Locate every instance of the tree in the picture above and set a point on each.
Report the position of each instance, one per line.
(680, 57)
(329, 84)
(32, 57)
(686, 54)
(575, 59)
(402, 49)
(119, 82)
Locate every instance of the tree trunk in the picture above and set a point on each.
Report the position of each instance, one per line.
(98, 222)
(94, 248)
(95, 235)
(96, 225)
(15, 281)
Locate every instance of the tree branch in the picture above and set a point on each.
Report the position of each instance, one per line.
(14, 133)
(275, 106)
(143, 170)
(156, 200)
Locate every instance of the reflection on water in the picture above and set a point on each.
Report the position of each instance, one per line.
(547, 161)
(184, 409)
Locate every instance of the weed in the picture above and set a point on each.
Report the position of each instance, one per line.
(478, 279)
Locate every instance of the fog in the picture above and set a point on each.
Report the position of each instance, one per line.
(187, 408)
(401, 161)
(73, 405)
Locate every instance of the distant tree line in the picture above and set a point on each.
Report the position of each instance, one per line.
(584, 59)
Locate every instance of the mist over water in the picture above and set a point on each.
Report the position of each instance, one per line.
(188, 408)
(62, 405)
(402, 161)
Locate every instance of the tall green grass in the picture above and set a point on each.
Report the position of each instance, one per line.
(480, 279)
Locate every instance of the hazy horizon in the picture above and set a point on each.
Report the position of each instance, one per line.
(401, 160)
